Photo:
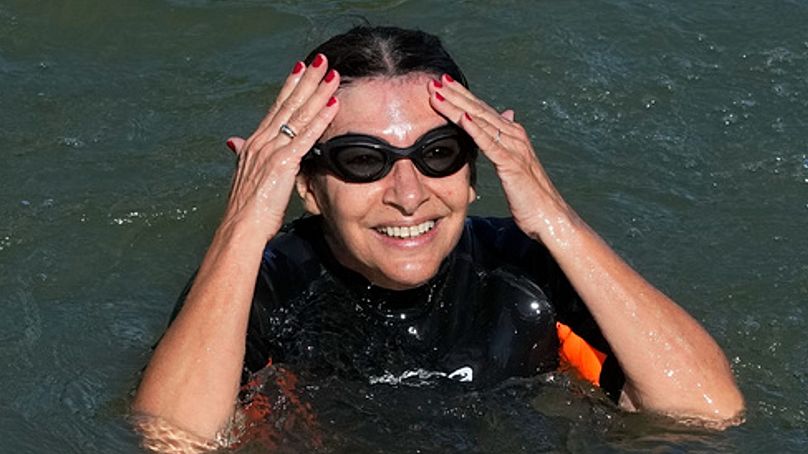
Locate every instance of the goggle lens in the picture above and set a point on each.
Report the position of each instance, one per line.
(361, 159)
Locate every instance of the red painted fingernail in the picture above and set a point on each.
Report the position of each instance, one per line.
(231, 145)
(448, 78)
(331, 101)
(298, 67)
(318, 60)
(437, 84)
(330, 76)
(468, 117)
(439, 97)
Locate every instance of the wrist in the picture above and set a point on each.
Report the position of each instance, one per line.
(555, 223)
(250, 220)
(243, 233)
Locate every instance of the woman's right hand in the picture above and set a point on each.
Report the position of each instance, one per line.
(269, 160)
(174, 387)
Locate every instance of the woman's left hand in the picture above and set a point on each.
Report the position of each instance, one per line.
(532, 197)
(671, 363)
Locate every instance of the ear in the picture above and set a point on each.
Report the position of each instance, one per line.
(307, 194)
(472, 194)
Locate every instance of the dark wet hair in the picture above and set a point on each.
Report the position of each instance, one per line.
(367, 51)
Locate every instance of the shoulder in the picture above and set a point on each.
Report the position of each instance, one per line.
(490, 226)
(291, 261)
(295, 245)
(498, 243)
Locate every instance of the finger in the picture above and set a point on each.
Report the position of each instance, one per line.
(499, 137)
(316, 127)
(235, 144)
(509, 115)
(308, 135)
(307, 86)
(446, 108)
(316, 102)
(297, 89)
(457, 91)
(288, 86)
(467, 102)
(303, 115)
(455, 113)
(491, 147)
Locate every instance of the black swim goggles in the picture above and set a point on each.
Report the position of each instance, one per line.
(359, 158)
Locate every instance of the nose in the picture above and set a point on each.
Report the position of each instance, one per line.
(406, 191)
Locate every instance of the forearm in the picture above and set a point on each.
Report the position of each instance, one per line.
(192, 380)
(672, 365)
(193, 377)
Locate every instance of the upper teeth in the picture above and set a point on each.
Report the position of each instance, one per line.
(407, 232)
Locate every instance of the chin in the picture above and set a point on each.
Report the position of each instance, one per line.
(406, 279)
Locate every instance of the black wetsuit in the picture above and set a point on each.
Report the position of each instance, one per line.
(488, 314)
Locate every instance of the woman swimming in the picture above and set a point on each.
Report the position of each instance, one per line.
(378, 133)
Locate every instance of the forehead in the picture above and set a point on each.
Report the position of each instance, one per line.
(394, 109)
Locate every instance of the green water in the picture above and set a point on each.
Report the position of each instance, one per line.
(678, 129)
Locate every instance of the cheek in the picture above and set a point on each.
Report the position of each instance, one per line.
(349, 204)
(456, 191)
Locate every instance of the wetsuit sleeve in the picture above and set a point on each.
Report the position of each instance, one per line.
(288, 266)
(259, 351)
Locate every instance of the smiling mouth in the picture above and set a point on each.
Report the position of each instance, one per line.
(407, 231)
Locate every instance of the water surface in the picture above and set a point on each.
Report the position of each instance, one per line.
(677, 130)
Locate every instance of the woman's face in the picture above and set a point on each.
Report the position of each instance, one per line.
(365, 220)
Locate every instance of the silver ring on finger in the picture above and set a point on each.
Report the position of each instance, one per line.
(497, 137)
(287, 131)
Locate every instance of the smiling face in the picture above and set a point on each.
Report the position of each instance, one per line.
(395, 231)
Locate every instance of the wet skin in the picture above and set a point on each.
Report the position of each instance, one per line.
(661, 339)
(360, 217)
